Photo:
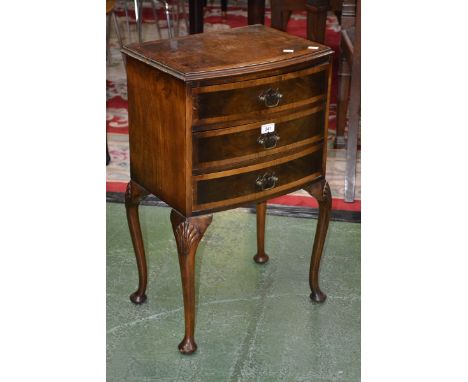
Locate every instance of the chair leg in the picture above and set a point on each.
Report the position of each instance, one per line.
(168, 18)
(127, 21)
(156, 18)
(184, 15)
(196, 16)
(354, 113)
(138, 16)
(108, 158)
(119, 36)
(224, 5)
(176, 10)
(316, 22)
(276, 14)
(224, 8)
(285, 16)
(344, 79)
(108, 30)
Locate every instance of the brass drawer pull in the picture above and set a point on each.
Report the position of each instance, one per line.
(267, 181)
(271, 97)
(268, 140)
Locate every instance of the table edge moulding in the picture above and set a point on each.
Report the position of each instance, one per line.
(211, 131)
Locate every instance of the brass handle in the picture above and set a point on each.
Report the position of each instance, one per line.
(268, 140)
(267, 181)
(271, 97)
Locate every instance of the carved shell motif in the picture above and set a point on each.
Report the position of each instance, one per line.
(320, 191)
(186, 235)
(128, 192)
(326, 195)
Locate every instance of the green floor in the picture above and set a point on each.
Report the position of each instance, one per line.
(254, 322)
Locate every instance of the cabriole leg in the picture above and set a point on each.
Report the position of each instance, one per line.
(321, 192)
(188, 233)
(133, 196)
(261, 257)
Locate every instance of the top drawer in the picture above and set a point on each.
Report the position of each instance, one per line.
(254, 99)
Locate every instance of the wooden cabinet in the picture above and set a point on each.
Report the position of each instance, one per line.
(223, 119)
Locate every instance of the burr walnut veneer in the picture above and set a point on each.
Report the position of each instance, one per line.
(223, 119)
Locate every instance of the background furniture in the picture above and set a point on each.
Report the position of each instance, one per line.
(344, 70)
(171, 10)
(255, 9)
(256, 14)
(139, 18)
(108, 158)
(351, 51)
(317, 19)
(223, 7)
(316, 15)
(208, 133)
(127, 18)
(110, 14)
(281, 11)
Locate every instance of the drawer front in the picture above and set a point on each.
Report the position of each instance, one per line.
(259, 181)
(225, 147)
(256, 98)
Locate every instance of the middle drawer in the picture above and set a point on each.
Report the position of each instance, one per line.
(214, 149)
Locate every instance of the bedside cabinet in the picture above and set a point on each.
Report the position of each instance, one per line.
(220, 120)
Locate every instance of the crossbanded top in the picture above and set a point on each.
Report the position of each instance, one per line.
(225, 53)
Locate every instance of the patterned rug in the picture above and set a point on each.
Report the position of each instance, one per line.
(117, 119)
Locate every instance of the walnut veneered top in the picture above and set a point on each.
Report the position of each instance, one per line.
(225, 53)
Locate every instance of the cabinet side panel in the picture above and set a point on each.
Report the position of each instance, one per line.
(156, 114)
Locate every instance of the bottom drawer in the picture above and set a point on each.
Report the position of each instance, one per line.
(265, 180)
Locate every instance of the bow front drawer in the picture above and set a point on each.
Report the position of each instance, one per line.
(251, 100)
(232, 146)
(240, 186)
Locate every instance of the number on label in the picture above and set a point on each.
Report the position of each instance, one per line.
(268, 128)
